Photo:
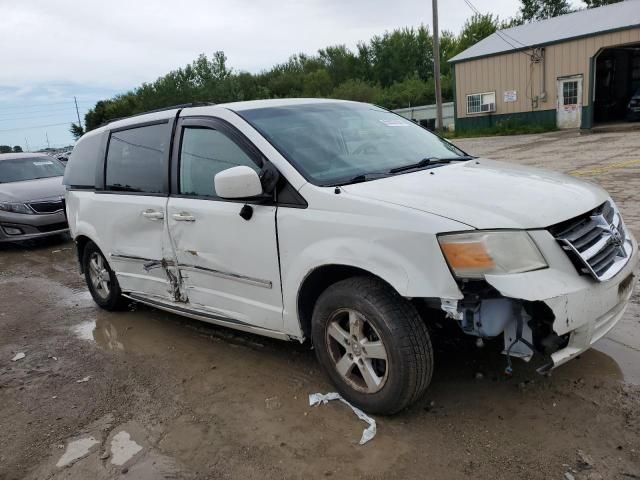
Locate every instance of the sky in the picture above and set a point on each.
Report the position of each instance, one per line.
(53, 50)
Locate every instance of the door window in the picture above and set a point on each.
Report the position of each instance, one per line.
(203, 153)
(135, 160)
(570, 93)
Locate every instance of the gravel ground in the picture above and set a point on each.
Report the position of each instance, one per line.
(145, 394)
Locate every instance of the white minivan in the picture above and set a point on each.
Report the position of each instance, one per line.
(346, 224)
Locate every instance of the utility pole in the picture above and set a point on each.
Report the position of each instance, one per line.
(47, 135)
(436, 65)
(26, 142)
(77, 112)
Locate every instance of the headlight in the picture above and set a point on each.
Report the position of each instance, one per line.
(480, 253)
(16, 208)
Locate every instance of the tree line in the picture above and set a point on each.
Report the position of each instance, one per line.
(394, 70)
(8, 149)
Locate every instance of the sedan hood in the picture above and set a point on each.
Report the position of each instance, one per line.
(30, 190)
(487, 194)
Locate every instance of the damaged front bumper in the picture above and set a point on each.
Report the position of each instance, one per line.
(554, 310)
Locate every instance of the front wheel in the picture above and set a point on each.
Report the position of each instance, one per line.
(101, 280)
(373, 344)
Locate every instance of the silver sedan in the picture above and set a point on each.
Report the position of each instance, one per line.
(31, 197)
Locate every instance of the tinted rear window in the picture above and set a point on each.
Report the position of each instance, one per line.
(135, 159)
(86, 155)
(21, 169)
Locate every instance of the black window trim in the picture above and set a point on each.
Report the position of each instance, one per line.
(101, 174)
(246, 145)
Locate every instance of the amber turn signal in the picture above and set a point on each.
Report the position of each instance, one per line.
(467, 255)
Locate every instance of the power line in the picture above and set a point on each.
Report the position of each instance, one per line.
(499, 32)
(12, 119)
(502, 34)
(477, 12)
(36, 126)
(36, 112)
(68, 102)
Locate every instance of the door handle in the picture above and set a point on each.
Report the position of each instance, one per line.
(153, 214)
(183, 217)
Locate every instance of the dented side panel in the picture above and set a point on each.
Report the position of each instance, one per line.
(228, 265)
(129, 239)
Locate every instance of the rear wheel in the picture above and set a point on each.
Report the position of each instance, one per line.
(101, 280)
(373, 344)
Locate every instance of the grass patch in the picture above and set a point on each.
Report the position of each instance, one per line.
(505, 127)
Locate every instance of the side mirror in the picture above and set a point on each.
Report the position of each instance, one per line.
(237, 182)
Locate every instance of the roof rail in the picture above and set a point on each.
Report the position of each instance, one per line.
(172, 107)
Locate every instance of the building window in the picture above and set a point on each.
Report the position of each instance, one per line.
(481, 102)
(570, 93)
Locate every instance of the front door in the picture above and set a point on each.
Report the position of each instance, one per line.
(228, 263)
(569, 107)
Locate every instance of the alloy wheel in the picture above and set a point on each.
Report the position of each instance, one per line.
(99, 275)
(357, 350)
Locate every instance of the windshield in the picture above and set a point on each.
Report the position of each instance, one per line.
(331, 143)
(30, 168)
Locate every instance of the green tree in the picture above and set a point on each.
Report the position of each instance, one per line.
(449, 47)
(394, 69)
(5, 149)
(599, 3)
(477, 28)
(410, 92)
(76, 131)
(531, 10)
(17, 149)
(317, 84)
(358, 90)
(342, 64)
(399, 54)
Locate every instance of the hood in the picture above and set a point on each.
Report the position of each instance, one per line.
(30, 190)
(488, 194)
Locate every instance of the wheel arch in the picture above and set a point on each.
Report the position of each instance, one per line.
(317, 281)
(81, 242)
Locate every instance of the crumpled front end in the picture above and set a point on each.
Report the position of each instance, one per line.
(562, 310)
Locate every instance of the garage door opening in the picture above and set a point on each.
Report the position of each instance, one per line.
(617, 85)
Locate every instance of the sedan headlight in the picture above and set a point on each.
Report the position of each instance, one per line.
(16, 208)
(480, 253)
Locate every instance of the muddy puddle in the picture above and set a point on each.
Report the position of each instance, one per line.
(208, 402)
(152, 332)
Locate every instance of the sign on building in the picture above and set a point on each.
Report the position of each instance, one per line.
(510, 96)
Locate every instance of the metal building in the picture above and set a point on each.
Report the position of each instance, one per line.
(425, 115)
(573, 71)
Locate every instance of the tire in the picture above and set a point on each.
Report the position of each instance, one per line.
(105, 290)
(372, 315)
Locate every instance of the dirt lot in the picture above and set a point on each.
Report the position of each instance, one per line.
(152, 395)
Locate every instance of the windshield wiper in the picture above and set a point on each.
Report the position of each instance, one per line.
(363, 177)
(425, 162)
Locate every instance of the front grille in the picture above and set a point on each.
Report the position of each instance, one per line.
(52, 227)
(51, 206)
(596, 242)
